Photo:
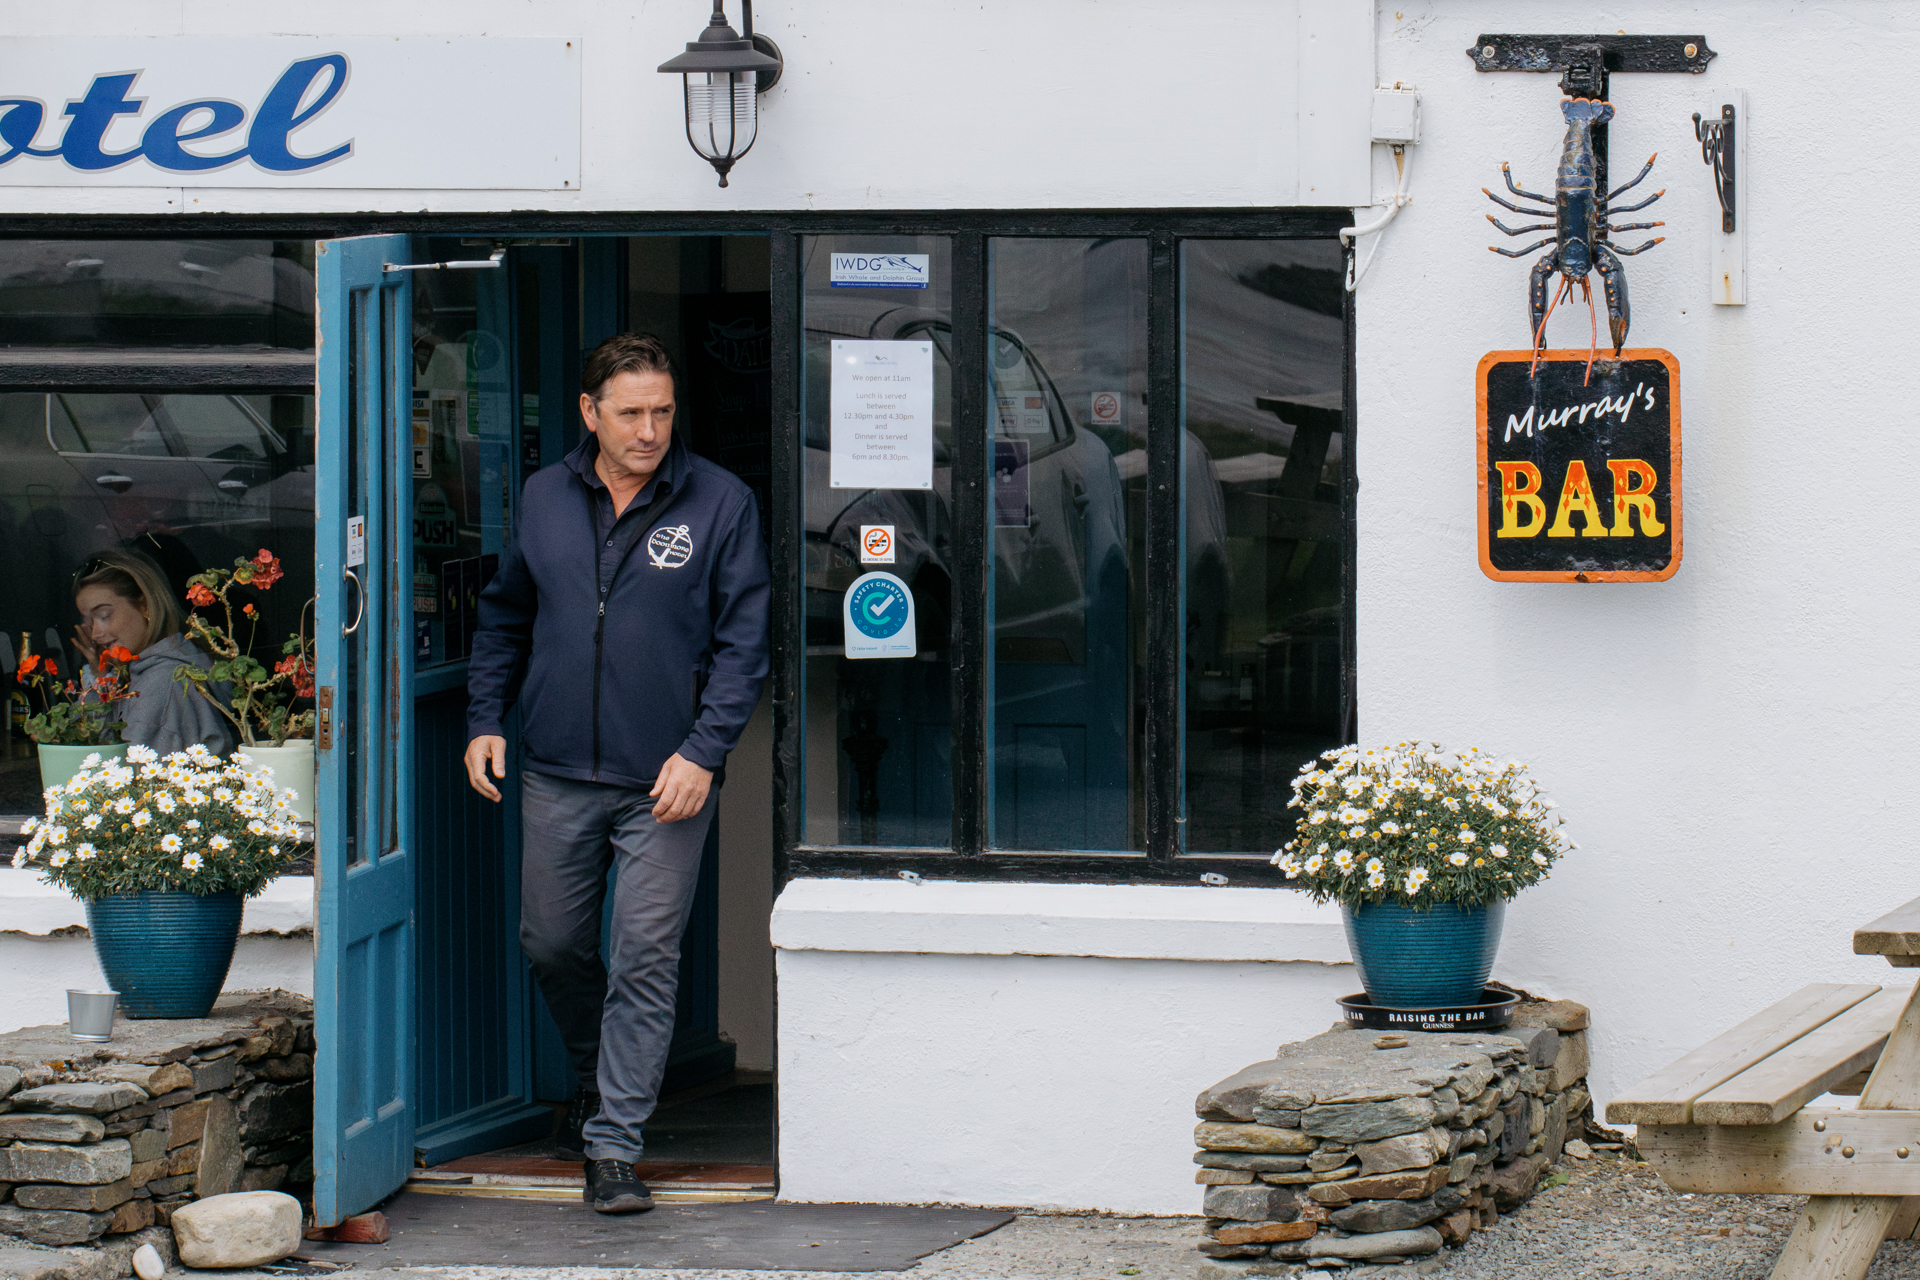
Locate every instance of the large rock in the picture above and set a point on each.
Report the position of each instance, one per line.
(94, 1199)
(243, 1229)
(1414, 1184)
(1257, 1203)
(1252, 1138)
(1571, 1066)
(1385, 1244)
(270, 1111)
(1512, 1183)
(32, 1127)
(154, 1080)
(9, 1081)
(90, 1097)
(221, 1162)
(1391, 1215)
(1367, 1121)
(1558, 1015)
(1233, 1098)
(1407, 1151)
(52, 1226)
(107, 1161)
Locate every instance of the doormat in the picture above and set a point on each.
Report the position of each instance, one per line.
(453, 1230)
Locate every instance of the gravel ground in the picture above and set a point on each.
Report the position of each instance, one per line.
(1611, 1218)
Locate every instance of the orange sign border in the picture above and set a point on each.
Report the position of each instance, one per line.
(1483, 519)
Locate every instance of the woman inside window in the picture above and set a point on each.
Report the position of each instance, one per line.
(123, 600)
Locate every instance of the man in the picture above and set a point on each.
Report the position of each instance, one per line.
(630, 620)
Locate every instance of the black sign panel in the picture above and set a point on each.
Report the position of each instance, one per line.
(1579, 476)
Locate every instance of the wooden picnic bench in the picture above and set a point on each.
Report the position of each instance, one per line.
(1732, 1116)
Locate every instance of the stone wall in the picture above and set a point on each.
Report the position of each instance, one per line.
(1363, 1146)
(101, 1140)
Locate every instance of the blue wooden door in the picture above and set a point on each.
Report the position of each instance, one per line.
(364, 953)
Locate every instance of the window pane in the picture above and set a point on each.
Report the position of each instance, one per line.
(191, 480)
(1068, 355)
(879, 730)
(157, 293)
(1262, 350)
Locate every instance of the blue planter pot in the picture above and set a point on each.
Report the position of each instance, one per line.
(1437, 958)
(165, 951)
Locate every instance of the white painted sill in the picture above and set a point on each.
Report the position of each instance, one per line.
(1143, 922)
(31, 906)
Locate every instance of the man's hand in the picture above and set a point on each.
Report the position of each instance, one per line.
(485, 749)
(679, 792)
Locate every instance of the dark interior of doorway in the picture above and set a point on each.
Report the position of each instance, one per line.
(707, 298)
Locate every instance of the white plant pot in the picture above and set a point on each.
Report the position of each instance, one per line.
(292, 767)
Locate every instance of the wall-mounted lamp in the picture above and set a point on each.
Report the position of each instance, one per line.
(724, 73)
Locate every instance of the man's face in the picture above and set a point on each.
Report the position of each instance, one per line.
(634, 420)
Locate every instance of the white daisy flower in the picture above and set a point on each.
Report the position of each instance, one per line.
(1457, 859)
(1497, 850)
(84, 850)
(140, 753)
(59, 859)
(1313, 864)
(257, 827)
(1376, 879)
(192, 862)
(123, 805)
(1317, 817)
(170, 843)
(1375, 866)
(1540, 858)
(1466, 836)
(91, 821)
(1344, 859)
(1415, 879)
(219, 844)
(142, 818)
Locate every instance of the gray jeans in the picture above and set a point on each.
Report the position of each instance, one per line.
(616, 1031)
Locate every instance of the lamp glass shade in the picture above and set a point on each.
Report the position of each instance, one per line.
(723, 116)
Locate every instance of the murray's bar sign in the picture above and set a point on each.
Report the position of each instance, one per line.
(1579, 474)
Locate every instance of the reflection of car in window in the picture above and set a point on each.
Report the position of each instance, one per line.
(192, 479)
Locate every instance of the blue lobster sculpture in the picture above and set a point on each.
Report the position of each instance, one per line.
(1581, 229)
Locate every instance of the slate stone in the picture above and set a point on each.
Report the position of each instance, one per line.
(1514, 1132)
(134, 1215)
(1211, 1159)
(9, 1080)
(221, 1161)
(1278, 1117)
(1265, 1232)
(1571, 1066)
(1214, 1249)
(147, 1144)
(1536, 1117)
(52, 1226)
(1366, 1121)
(1543, 1044)
(269, 1111)
(145, 1171)
(183, 1160)
(1461, 1167)
(297, 1067)
(1413, 1184)
(1512, 1183)
(163, 1187)
(1329, 1157)
(1403, 1244)
(1233, 1098)
(31, 1126)
(87, 1199)
(1244, 1137)
(274, 1177)
(1223, 1177)
(154, 1080)
(100, 1162)
(1257, 1203)
(1387, 1215)
(1558, 1015)
(1553, 1136)
(1455, 1227)
(1495, 1127)
(186, 1124)
(1446, 1103)
(210, 1077)
(87, 1097)
(1407, 1151)
(1310, 1175)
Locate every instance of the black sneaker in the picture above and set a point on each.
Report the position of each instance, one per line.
(613, 1187)
(569, 1134)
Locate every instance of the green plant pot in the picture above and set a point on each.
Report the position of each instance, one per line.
(1433, 959)
(166, 951)
(59, 762)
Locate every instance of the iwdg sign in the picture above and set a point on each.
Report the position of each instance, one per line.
(1579, 477)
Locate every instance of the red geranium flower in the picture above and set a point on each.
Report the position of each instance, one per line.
(267, 569)
(53, 668)
(29, 664)
(248, 609)
(199, 595)
(119, 653)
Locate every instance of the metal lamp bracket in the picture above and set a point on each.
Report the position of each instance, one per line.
(1716, 148)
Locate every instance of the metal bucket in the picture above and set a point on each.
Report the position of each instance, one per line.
(90, 1014)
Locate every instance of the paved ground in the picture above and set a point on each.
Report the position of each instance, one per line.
(1611, 1218)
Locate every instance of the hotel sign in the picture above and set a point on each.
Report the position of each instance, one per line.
(1579, 474)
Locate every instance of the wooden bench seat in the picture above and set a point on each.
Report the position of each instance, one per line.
(1732, 1115)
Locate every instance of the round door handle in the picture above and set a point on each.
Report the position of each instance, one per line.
(360, 593)
(117, 483)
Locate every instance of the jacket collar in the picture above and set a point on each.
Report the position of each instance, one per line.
(671, 476)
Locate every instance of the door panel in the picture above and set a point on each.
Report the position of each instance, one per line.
(363, 955)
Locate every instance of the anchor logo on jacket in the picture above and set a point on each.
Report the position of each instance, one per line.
(670, 548)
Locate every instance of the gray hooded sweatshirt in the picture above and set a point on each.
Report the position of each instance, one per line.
(170, 715)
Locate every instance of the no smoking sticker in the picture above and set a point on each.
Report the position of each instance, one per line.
(1107, 409)
(876, 544)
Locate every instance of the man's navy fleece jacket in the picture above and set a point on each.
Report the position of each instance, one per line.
(619, 661)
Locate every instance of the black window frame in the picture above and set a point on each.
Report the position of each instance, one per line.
(970, 857)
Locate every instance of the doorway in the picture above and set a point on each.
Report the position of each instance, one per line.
(496, 355)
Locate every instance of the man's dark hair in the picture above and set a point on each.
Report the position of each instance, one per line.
(625, 353)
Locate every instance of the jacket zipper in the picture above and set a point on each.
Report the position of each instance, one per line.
(599, 628)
